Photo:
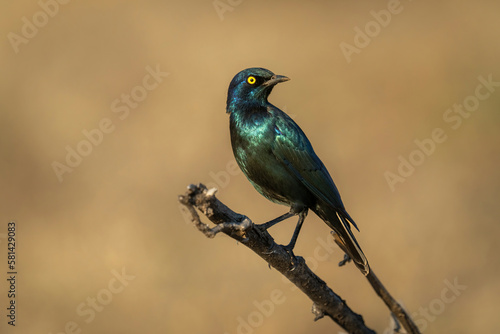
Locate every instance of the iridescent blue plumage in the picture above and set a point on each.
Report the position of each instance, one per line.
(278, 159)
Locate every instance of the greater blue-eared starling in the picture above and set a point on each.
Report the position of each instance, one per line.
(278, 159)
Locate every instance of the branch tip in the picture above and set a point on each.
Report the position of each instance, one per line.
(211, 192)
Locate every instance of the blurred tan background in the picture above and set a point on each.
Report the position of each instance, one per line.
(117, 209)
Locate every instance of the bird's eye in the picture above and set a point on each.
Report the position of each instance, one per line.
(251, 80)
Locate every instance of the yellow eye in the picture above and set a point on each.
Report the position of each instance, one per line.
(251, 80)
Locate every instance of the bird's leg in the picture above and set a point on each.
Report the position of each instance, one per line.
(275, 221)
(302, 217)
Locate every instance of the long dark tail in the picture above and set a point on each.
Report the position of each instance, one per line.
(340, 222)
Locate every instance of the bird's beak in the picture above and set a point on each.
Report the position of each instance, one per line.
(275, 79)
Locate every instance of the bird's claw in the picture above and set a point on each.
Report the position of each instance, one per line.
(346, 259)
(289, 250)
(294, 260)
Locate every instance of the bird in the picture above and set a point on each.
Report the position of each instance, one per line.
(279, 161)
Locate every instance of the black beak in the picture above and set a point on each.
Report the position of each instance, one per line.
(275, 79)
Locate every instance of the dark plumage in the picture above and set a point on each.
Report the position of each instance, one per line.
(278, 159)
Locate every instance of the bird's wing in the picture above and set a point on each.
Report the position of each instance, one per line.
(292, 148)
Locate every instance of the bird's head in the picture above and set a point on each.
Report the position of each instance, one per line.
(251, 86)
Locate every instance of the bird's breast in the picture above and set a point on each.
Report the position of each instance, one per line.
(253, 150)
(252, 142)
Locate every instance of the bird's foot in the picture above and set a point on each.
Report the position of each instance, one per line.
(346, 259)
(289, 249)
(270, 249)
(295, 261)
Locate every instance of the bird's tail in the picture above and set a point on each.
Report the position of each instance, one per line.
(340, 222)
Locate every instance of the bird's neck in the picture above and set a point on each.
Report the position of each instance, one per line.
(236, 104)
(248, 114)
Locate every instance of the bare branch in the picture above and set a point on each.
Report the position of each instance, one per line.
(398, 312)
(239, 227)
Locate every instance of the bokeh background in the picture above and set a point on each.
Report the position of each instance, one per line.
(117, 210)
